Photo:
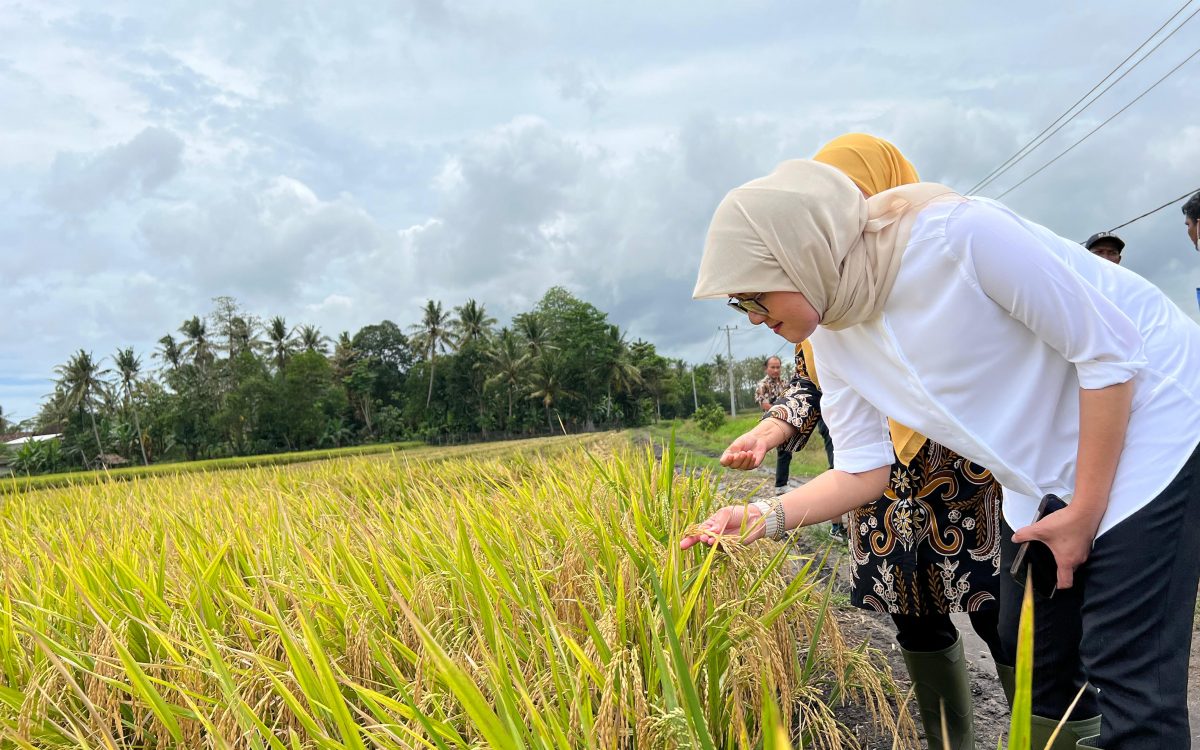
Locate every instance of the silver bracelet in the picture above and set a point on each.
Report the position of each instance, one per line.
(778, 528)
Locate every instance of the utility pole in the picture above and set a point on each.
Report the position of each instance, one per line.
(729, 351)
(695, 398)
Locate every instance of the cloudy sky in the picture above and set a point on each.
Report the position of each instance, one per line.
(340, 163)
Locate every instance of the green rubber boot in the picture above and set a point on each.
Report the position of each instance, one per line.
(941, 685)
(1007, 677)
(1072, 735)
(1089, 741)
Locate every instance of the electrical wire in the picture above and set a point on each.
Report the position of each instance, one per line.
(1093, 131)
(1038, 139)
(1171, 202)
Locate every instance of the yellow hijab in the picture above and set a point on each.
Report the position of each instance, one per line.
(874, 165)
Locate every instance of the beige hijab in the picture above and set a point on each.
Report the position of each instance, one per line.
(807, 228)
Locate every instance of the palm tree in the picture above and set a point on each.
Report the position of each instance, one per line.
(432, 335)
(281, 340)
(473, 323)
(196, 343)
(533, 329)
(312, 340)
(82, 386)
(170, 352)
(128, 366)
(547, 385)
(623, 374)
(243, 336)
(508, 365)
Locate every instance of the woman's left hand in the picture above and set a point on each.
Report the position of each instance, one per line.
(1069, 534)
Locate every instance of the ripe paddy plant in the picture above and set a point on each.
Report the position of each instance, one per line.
(534, 598)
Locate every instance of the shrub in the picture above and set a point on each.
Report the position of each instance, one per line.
(709, 418)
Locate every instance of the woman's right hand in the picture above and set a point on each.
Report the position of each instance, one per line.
(747, 452)
(727, 522)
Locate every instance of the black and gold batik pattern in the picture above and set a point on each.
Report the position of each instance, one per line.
(931, 544)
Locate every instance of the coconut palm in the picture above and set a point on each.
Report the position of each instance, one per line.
(128, 366)
(623, 375)
(281, 340)
(81, 386)
(509, 360)
(473, 323)
(242, 335)
(432, 335)
(196, 342)
(312, 340)
(547, 385)
(170, 352)
(536, 333)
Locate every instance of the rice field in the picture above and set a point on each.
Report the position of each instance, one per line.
(525, 596)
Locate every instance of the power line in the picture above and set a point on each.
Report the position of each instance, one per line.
(1093, 131)
(1171, 202)
(1038, 140)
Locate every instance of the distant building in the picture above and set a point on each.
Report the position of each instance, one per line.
(11, 443)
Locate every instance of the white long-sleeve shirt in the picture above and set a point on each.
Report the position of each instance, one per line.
(993, 325)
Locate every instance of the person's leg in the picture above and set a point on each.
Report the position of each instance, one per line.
(1139, 602)
(933, 653)
(783, 465)
(1057, 630)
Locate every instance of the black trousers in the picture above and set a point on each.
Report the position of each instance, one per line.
(928, 633)
(783, 465)
(783, 459)
(1125, 626)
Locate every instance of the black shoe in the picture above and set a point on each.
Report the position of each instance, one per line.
(838, 531)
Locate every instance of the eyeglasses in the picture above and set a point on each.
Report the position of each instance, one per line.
(749, 306)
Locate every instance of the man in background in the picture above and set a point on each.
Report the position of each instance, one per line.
(1106, 245)
(1191, 219)
(770, 388)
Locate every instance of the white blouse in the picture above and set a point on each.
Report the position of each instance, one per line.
(993, 325)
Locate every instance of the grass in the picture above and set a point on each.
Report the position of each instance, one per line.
(703, 446)
(521, 596)
(16, 483)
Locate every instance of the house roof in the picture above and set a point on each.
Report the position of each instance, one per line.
(31, 439)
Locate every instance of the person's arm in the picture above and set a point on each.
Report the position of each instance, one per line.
(828, 496)
(1069, 533)
(789, 422)
(862, 469)
(1035, 286)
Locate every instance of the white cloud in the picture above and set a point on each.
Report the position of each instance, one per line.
(79, 183)
(339, 167)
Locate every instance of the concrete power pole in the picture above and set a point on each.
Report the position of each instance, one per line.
(695, 398)
(729, 352)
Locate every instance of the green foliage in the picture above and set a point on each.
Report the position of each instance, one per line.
(236, 384)
(709, 418)
(38, 457)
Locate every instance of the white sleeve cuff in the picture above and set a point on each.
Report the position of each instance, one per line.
(863, 458)
(1095, 375)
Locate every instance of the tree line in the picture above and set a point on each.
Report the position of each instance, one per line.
(229, 383)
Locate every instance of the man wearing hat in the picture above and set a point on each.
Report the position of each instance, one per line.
(1107, 245)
